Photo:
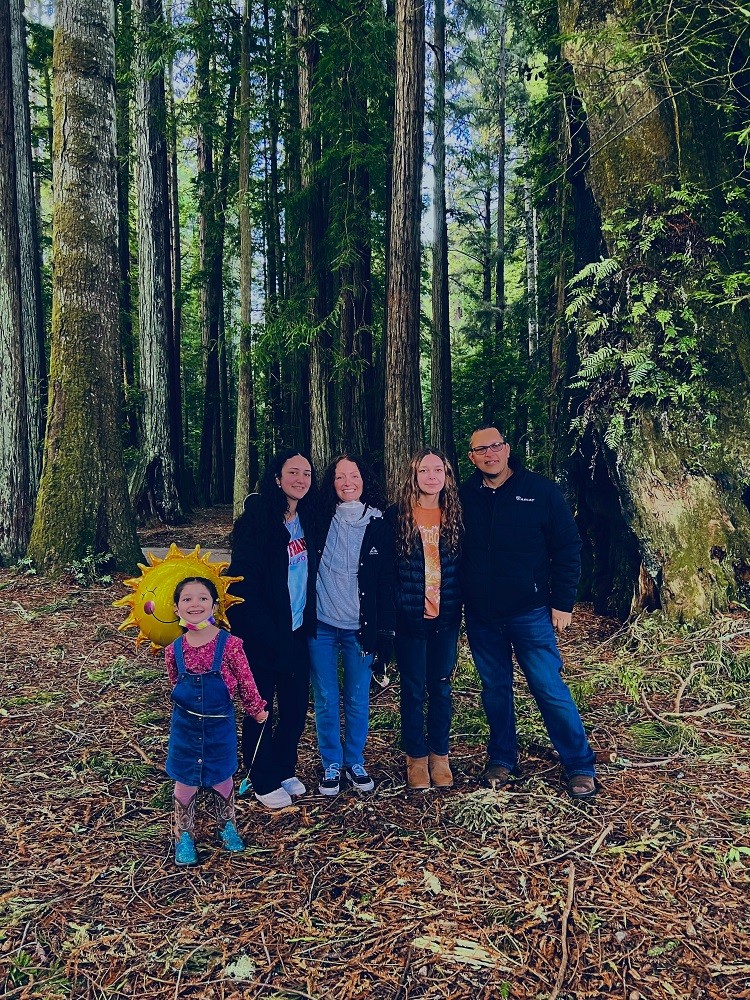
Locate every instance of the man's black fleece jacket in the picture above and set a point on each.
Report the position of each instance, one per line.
(521, 547)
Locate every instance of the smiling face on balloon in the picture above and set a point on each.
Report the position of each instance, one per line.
(152, 608)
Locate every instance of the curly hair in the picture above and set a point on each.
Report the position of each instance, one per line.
(451, 522)
(372, 492)
(274, 499)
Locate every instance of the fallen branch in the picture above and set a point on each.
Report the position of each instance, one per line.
(564, 933)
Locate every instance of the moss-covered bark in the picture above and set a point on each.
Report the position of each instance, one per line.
(83, 499)
(666, 511)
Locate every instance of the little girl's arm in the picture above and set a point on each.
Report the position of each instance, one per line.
(171, 664)
(235, 659)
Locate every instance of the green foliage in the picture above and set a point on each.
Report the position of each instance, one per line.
(109, 768)
(646, 319)
(87, 570)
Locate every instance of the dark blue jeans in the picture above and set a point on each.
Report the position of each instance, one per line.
(425, 664)
(531, 637)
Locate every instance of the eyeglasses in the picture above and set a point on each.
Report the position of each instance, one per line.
(482, 449)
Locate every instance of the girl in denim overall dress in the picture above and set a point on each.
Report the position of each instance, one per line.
(207, 667)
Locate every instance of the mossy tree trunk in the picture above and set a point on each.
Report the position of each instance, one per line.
(664, 503)
(83, 498)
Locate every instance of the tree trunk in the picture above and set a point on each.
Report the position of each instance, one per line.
(123, 94)
(441, 395)
(666, 508)
(226, 450)
(32, 319)
(314, 228)
(15, 492)
(500, 234)
(178, 429)
(355, 382)
(154, 270)
(209, 460)
(487, 323)
(246, 447)
(402, 428)
(83, 499)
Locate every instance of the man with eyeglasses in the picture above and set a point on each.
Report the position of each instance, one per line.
(520, 568)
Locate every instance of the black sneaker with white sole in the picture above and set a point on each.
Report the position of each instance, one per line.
(358, 778)
(331, 780)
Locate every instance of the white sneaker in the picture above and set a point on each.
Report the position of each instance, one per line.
(293, 786)
(276, 799)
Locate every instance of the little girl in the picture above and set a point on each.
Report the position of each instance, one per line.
(207, 667)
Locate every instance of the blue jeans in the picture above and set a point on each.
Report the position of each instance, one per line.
(425, 664)
(531, 637)
(324, 672)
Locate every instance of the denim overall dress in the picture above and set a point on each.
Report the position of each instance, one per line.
(203, 735)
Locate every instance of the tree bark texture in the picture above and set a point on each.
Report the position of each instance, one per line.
(154, 271)
(124, 95)
(83, 499)
(246, 448)
(210, 460)
(314, 230)
(15, 492)
(32, 319)
(402, 427)
(441, 391)
(666, 511)
(179, 429)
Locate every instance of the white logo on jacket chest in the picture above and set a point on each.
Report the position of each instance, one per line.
(526, 499)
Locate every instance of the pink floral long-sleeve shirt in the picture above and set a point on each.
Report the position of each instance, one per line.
(235, 670)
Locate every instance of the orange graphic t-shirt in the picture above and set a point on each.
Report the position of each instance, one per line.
(428, 522)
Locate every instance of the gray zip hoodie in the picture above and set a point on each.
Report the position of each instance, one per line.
(337, 587)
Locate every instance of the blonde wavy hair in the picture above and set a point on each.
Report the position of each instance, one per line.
(451, 522)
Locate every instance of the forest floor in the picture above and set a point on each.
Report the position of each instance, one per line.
(466, 894)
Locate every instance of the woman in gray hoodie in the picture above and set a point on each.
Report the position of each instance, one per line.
(356, 616)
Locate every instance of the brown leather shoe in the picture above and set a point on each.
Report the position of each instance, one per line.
(440, 770)
(495, 776)
(417, 774)
(582, 786)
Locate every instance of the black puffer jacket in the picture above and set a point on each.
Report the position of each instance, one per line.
(521, 546)
(377, 612)
(410, 584)
(260, 555)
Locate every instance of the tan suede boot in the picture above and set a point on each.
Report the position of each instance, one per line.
(440, 770)
(417, 774)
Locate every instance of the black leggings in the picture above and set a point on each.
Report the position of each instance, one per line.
(276, 758)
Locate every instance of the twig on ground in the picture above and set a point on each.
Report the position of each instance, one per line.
(564, 933)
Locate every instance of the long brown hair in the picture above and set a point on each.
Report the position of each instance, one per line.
(451, 523)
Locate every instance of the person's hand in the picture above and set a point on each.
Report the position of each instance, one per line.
(561, 619)
(261, 716)
(383, 652)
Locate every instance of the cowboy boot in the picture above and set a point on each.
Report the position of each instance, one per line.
(417, 775)
(440, 770)
(223, 810)
(184, 825)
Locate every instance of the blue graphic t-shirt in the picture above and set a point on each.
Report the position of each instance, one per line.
(297, 578)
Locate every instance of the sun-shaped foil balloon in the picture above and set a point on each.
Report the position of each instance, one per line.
(151, 604)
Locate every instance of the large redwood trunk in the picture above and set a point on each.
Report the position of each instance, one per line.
(662, 485)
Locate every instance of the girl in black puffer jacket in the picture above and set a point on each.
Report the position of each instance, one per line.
(427, 522)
